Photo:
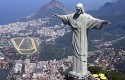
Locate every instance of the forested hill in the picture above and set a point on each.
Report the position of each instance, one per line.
(113, 12)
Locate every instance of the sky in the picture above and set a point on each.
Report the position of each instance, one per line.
(35, 4)
(88, 4)
(14, 9)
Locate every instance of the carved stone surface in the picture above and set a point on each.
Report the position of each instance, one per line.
(85, 77)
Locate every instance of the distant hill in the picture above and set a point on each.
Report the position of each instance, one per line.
(53, 7)
(113, 12)
(48, 10)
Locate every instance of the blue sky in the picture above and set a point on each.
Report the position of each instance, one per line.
(88, 4)
(35, 4)
(14, 9)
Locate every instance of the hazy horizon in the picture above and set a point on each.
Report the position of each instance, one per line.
(13, 10)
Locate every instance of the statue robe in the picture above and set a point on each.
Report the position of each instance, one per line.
(80, 25)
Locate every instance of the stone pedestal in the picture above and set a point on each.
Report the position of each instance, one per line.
(76, 76)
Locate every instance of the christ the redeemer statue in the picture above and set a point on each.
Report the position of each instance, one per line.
(80, 23)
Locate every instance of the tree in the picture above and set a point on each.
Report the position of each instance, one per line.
(97, 70)
(116, 76)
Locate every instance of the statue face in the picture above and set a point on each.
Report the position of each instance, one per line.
(78, 11)
(79, 8)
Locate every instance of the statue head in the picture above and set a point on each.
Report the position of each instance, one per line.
(79, 8)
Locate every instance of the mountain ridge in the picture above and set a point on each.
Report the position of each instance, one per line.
(114, 12)
(50, 9)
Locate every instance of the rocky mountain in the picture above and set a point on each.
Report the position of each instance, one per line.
(53, 7)
(47, 11)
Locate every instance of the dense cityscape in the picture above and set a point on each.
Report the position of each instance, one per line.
(25, 69)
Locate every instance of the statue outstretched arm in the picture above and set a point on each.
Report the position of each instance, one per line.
(64, 18)
(106, 22)
(56, 15)
(94, 23)
(60, 16)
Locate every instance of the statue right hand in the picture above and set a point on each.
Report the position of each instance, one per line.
(106, 22)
